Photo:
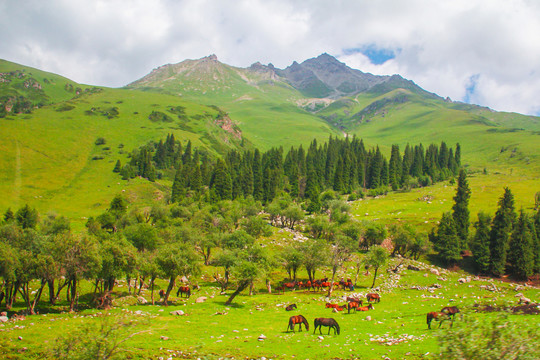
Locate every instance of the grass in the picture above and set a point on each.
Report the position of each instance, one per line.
(235, 331)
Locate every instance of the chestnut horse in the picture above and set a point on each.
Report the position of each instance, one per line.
(365, 308)
(298, 319)
(352, 305)
(437, 316)
(329, 322)
(450, 310)
(184, 290)
(373, 297)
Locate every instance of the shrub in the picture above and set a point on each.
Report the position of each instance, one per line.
(501, 338)
(100, 141)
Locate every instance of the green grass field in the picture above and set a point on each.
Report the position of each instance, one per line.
(208, 330)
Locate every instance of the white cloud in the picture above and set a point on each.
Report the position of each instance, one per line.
(438, 44)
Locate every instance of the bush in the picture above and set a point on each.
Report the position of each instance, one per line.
(501, 338)
(100, 141)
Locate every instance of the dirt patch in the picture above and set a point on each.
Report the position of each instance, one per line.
(531, 309)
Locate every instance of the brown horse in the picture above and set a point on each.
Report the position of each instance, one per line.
(437, 316)
(331, 306)
(365, 308)
(298, 319)
(329, 322)
(290, 307)
(450, 310)
(349, 299)
(352, 305)
(184, 290)
(373, 297)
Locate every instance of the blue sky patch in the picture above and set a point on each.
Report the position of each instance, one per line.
(471, 88)
(376, 55)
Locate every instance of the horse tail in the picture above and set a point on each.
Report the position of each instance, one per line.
(337, 327)
(306, 323)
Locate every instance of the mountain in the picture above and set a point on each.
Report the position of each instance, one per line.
(50, 125)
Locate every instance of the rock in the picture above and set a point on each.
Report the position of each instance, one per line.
(177, 312)
(425, 275)
(435, 272)
(368, 318)
(4, 319)
(20, 338)
(141, 300)
(320, 337)
(164, 338)
(334, 310)
(201, 299)
(261, 337)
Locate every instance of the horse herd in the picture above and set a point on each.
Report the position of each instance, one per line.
(331, 323)
(447, 313)
(316, 285)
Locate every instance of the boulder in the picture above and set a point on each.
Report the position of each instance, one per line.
(177, 312)
(435, 272)
(201, 299)
(4, 319)
(141, 300)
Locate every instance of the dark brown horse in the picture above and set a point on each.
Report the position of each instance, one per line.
(298, 319)
(373, 297)
(450, 310)
(331, 306)
(349, 299)
(329, 322)
(290, 307)
(437, 316)
(184, 290)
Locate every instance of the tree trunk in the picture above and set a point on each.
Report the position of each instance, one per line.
(251, 288)
(152, 281)
(128, 280)
(331, 288)
(141, 283)
(374, 277)
(52, 297)
(268, 286)
(38, 296)
(241, 286)
(169, 289)
(73, 294)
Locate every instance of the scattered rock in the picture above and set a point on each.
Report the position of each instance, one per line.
(261, 337)
(4, 319)
(435, 272)
(177, 312)
(320, 337)
(20, 338)
(368, 318)
(141, 300)
(164, 338)
(201, 299)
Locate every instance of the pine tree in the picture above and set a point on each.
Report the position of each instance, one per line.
(258, 191)
(447, 241)
(178, 188)
(394, 168)
(537, 242)
(461, 208)
(480, 243)
(457, 155)
(520, 254)
(499, 236)
(117, 167)
(221, 181)
(9, 216)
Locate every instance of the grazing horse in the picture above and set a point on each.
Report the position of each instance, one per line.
(161, 293)
(289, 285)
(329, 322)
(331, 306)
(437, 316)
(184, 290)
(450, 310)
(373, 297)
(290, 307)
(298, 319)
(365, 308)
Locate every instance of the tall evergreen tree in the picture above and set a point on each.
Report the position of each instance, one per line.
(457, 155)
(179, 186)
(520, 254)
(537, 242)
(447, 240)
(258, 191)
(460, 210)
(221, 181)
(394, 168)
(499, 236)
(480, 243)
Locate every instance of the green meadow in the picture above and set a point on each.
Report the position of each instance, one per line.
(396, 327)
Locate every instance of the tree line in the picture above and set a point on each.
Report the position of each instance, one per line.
(343, 165)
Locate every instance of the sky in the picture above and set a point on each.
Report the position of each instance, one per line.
(485, 52)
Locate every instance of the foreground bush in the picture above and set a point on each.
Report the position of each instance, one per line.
(497, 339)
